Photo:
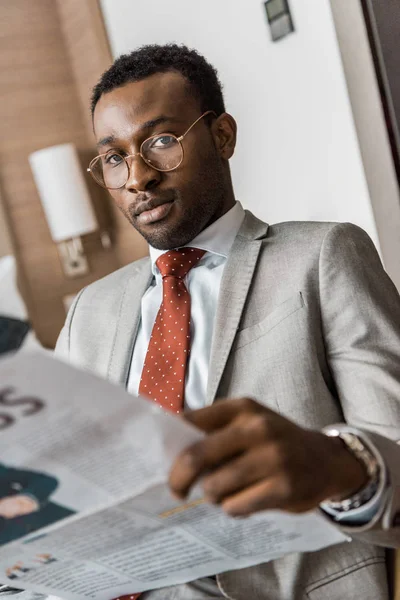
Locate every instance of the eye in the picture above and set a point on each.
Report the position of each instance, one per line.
(113, 159)
(163, 141)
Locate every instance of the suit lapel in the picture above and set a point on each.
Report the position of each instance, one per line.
(235, 284)
(128, 323)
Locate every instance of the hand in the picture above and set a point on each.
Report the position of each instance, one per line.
(254, 459)
(17, 506)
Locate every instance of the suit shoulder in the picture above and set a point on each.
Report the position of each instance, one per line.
(301, 228)
(117, 279)
(302, 245)
(315, 233)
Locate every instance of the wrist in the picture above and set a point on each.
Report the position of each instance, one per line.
(351, 474)
(360, 483)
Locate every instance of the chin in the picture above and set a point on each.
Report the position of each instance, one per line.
(165, 237)
(177, 229)
(164, 242)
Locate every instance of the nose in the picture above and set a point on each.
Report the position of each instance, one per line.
(141, 176)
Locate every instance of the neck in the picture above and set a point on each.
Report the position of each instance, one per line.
(229, 202)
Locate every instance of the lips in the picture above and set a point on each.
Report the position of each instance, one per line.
(153, 209)
(147, 201)
(155, 214)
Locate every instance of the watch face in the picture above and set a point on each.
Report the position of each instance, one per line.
(275, 8)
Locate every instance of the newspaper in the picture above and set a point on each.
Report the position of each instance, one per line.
(85, 510)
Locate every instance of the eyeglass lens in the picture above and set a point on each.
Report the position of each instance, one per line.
(163, 152)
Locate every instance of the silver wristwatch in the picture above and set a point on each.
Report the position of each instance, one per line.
(365, 454)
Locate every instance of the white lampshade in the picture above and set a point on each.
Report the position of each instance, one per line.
(63, 192)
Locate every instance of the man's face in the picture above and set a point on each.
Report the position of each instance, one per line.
(180, 203)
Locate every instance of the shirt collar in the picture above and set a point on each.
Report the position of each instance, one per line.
(217, 238)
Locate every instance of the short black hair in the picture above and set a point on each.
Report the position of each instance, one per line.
(203, 78)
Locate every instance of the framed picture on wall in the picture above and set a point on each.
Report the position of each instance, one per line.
(279, 18)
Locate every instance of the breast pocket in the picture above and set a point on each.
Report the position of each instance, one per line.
(284, 310)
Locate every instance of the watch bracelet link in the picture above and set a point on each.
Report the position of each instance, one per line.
(367, 458)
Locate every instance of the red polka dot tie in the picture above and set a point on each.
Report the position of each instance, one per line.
(164, 371)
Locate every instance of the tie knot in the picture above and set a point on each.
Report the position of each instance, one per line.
(177, 263)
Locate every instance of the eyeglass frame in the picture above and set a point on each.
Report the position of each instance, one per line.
(125, 158)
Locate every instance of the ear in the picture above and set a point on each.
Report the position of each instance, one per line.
(224, 132)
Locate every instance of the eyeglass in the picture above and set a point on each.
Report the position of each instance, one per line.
(163, 152)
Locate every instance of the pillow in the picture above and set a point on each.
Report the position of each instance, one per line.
(12, 333)
(11, 303)
(15, 330)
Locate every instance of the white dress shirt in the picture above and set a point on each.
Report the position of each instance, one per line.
(203, 283)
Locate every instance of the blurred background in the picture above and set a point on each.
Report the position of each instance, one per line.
(313, 84)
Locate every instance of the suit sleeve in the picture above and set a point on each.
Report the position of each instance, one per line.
(62, 349)
(32, 483)
(360, 312)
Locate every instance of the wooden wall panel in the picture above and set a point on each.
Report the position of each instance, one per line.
(87, 46)
(5, 238)
(51, 53)
(90, 55)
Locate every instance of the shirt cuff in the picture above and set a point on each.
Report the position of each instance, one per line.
(358, 516)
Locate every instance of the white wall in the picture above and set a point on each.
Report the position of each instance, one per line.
(371, 129)
(297, 156)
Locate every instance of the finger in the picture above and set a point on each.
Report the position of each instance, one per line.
(221, 413)
(269, 494)
(256, 465)
(211, 452)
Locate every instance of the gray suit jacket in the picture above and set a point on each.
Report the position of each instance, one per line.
(307, 323)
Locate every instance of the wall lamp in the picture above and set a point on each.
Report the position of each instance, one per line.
(66, 202)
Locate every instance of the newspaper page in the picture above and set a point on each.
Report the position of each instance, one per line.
(85, 510)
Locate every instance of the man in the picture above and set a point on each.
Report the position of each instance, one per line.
(295, 326)
(24, 502)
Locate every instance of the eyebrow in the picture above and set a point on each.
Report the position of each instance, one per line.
(111, 139)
